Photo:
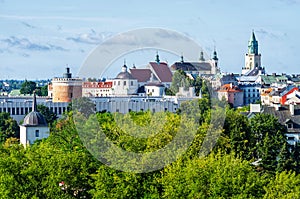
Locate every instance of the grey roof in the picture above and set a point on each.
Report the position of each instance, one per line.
(185, 66)
(192, 66)
(34, 119)
(124, 75)
(284, 116)
(202, 65)
(247, 78)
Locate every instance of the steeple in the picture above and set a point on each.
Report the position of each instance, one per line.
(201, 56)
(182, 58)
(157, 58)
(252, 57)
(215, 56)
(124, 67)
(253, 45)
(34, 106)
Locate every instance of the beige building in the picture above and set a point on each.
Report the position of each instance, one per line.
(124, 84)
(97, 89)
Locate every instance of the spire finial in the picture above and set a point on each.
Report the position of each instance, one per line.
(202, 56)
(157, 58)
(182, 58)
(124, 61)
(34, 106)
(215, 56)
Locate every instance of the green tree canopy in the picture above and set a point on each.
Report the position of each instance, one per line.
(47, 113)
(270, 137)
(28, 87)
(8, 127)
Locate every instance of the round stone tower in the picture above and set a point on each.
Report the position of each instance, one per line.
(65, 88)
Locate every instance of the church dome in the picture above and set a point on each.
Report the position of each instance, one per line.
(34, 118)
(124, 74)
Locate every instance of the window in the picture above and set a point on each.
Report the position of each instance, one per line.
(118, 83)
(291, 138)
(131, 83)
(37, 133)
(124, 83)
(290, 125)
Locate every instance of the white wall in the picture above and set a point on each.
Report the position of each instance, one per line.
(28, 134)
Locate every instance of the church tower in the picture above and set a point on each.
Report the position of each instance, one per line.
(252, 58)
(34, 126)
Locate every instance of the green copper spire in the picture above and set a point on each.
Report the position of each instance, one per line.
(253, 45)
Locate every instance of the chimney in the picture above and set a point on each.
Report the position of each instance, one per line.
(292, 108)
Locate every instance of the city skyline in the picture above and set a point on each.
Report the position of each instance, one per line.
(38, 41)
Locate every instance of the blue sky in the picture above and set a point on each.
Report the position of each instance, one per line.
(39, 38)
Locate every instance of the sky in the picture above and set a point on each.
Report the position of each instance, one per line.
(38, 39)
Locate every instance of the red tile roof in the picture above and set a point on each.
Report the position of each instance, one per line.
(142, 75)
(97, 84)
(162, 71)
(229, 88)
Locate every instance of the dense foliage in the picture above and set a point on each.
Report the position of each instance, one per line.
(62, 167)
(28, 87)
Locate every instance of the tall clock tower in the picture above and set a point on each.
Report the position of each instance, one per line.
(252, 58)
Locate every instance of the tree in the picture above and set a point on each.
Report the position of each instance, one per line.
(285, 185)
(47, 113)
(295, 152)
(197, 83)
(269, 136)
(28, 87)
(8, 127)
(285, 159)
(179, 80)
(215, 176)
(237, 134)
(83, 105)
(42, 91)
